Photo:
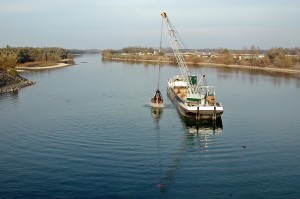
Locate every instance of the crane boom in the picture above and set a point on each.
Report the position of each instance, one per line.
(193, 98)
(174, 36)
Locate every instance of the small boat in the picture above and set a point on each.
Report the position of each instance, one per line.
(157, 100)
(201, 105)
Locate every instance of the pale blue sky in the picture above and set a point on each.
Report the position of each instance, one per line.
(102, 24)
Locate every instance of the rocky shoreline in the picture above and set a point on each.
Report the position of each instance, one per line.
(9, 83)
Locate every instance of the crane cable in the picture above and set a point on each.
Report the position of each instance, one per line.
(160, 50)
(161, 34)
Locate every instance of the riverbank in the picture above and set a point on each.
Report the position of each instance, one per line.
(270, 69)
(282, 70)
(58, 65)
(10, 83)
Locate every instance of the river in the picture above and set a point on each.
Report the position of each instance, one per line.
(87, 131)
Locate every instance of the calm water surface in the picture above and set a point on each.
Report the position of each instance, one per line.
(86, 131)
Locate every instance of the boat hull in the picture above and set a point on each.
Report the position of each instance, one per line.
(200, 111)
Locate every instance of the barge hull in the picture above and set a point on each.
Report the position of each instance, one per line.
(205, 112)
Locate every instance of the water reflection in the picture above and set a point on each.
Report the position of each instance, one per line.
(12, 97)
(202, 126)
(255, 75)
(145, 63)
(198, 138)
(227, 73)
(156, 113)
(200, 133)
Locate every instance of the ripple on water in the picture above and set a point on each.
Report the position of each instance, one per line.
(105, 142)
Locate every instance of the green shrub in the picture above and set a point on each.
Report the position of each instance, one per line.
(13, 72)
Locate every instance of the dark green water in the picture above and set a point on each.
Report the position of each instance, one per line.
(86, 131)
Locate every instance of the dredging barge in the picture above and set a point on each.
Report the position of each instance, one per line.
(201, 105)
(193, 97)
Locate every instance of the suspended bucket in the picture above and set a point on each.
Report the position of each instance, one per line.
(157, 99)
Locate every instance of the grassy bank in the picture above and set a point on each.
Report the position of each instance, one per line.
(204, 62)
(276, 59)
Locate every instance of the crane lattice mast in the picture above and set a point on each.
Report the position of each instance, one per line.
(173, 36)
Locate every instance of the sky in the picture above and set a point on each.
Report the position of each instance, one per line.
(114, 24)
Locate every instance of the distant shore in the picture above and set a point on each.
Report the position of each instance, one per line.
(282, 70)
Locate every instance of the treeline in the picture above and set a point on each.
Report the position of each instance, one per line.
(129, 50)
(274, 57)
(12, 56)
(253, 56)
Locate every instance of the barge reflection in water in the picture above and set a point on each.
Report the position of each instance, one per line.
(197, 138)
(203, 126)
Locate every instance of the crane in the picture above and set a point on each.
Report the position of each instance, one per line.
(194, 99)
(174, 38)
